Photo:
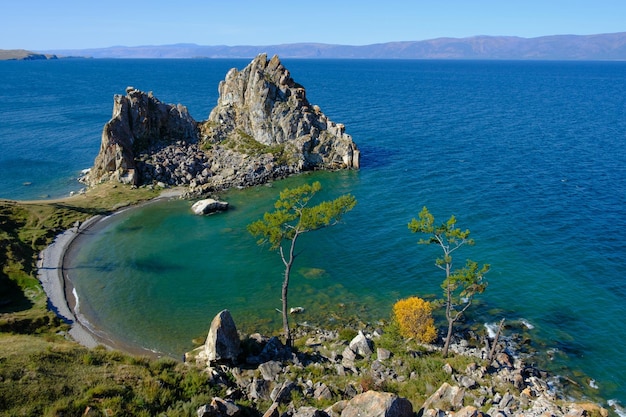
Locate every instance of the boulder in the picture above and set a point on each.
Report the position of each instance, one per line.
(209, 206)
(378, 404)
(259, 389)
(270, 370)
(447, 397)
(222, 343)
(361, 345)
(220, 408)
(307, 411)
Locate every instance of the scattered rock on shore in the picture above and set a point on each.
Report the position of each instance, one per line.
(268, 370)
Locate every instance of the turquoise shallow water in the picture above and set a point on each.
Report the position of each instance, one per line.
(530, 156)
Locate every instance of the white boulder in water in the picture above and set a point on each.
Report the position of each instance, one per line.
(208, 206)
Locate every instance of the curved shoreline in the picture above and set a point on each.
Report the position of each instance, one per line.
(52, 267)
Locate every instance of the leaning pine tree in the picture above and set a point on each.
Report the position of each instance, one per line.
(460, 285)
(291, 218)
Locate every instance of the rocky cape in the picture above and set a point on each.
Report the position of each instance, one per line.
(262, 128)
(347, 378)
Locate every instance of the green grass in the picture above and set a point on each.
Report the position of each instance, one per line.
(244, 143)
(50, 376)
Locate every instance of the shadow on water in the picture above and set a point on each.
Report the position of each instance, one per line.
(376, 156)
(154, 265)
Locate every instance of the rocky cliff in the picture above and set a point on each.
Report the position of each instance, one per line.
(262, 128)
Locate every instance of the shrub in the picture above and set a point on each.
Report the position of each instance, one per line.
(414, 317)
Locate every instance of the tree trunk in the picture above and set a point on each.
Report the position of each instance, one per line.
(286, 330)
(492, 352)
(446, 345)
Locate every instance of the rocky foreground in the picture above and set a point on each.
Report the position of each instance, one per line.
(348, 378)
(262, 128)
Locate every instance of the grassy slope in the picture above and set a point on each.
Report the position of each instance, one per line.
(41, 373)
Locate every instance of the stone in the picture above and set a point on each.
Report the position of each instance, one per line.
(361, 345)
(282, 393)
(322, 392)
(383, 354)
(467, 382)
(378, 404)
(209, 206)
(220, 408)
(306, 411)
(468, 411)
(259, 389)
(222, 343)
(270, 370)
(348, 357)
(446, 397)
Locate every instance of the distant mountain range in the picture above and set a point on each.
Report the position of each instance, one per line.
(558, 47)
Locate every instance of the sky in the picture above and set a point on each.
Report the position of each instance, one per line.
(40, 25)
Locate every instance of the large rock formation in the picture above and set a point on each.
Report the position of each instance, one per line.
(140, 121)
(262, 102)
(262, 128)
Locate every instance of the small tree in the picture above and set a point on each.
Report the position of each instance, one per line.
(414, 317)
(291, 218)
(460, 285)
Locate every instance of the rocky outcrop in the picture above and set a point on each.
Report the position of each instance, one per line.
(318, 372)
(263, 103)
(263, 128)
(140, 122)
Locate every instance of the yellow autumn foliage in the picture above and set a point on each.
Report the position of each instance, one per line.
(414, 317)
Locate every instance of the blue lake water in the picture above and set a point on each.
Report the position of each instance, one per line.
(531, 156)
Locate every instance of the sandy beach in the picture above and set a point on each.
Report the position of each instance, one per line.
(50, 270)
(52, 273)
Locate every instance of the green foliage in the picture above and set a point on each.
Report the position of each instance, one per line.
(347, 334)
(460, 285)
(415, 320)
(245, 143)
(291, 218)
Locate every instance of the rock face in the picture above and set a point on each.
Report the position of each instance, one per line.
(139, 121)
(262, 128)
(262, 102)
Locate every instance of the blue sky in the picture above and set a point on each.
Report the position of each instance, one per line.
(74, 24)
